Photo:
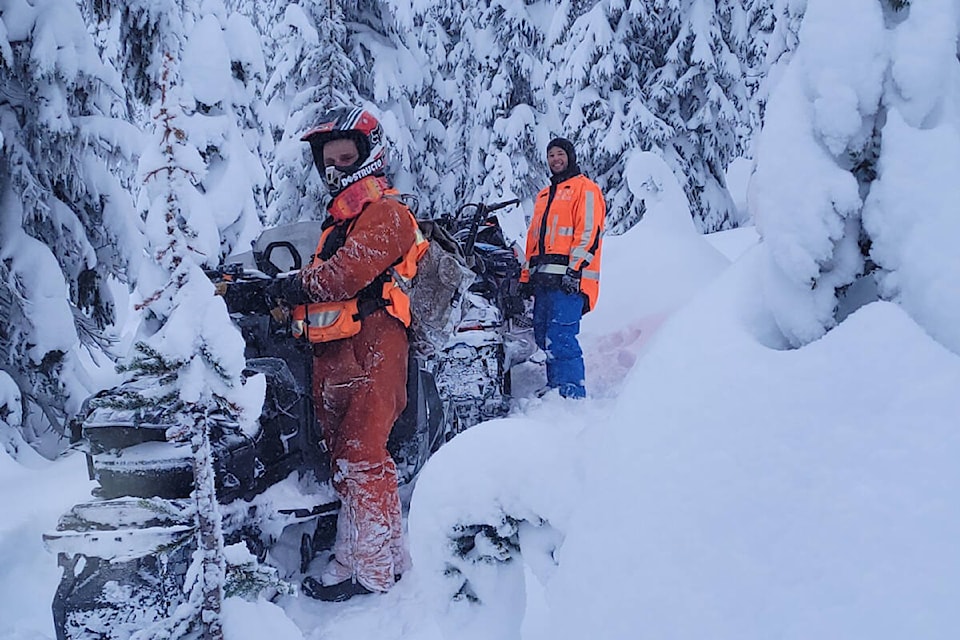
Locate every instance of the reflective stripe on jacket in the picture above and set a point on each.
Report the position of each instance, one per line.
(566, 232)
(357, 279)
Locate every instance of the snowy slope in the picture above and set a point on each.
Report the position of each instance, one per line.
(711, 487)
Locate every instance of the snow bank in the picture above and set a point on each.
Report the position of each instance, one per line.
(743, 492)
(504, 469)
(31, 502)
(647, 273)
(243, 620)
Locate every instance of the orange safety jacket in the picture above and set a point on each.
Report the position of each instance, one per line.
(328, 321)
(566, 232)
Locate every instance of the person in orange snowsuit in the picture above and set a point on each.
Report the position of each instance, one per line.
(352, 310)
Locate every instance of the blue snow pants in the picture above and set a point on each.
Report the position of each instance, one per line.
(556, 323)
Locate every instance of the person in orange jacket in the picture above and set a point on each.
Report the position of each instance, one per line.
(562, 267)
(350, 308)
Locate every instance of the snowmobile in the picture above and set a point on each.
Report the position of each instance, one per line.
(494, 332)
(126, 554)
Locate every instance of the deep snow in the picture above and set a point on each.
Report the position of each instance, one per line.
(712, 486)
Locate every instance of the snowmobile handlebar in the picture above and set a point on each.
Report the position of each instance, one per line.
(245, 290)
(482, 210)
(225, 272)
(500, 205)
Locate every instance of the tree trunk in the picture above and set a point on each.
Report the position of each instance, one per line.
(209, 529)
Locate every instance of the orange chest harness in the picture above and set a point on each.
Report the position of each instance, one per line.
(328, 321)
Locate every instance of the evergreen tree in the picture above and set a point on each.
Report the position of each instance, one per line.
(701, 93)
(443, 104)
(487, 88)
(605, 66)
(773, 37)
(636, 76)
(67, 227)
(784, 34)
(131, 36)
(749, 23)
(856, 113)
(224, 125)
(391, 73)
(809, 264)
(513, 107)
(903, 217)
(264, 16)
(420, 164)
(189, 358)
(312, 75)
(249, 72)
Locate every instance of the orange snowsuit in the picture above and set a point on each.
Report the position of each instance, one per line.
(359, 387)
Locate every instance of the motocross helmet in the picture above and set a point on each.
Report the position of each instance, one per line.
(354, 124)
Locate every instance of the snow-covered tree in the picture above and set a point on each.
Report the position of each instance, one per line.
(442, 101)
(264, 16)
(871, 89)
(748, 24)
(189, 357)
(221, 75)
(773, 28)
(131, 35)
(605, 64)
(514, 108)
(391, 72)
(913, 201)
(496, 86)
(701, 92)
(636, 76)
(413, 79)
(805, 196)
(67, 227)
(312, 75)
(784, 29)
(482, 103)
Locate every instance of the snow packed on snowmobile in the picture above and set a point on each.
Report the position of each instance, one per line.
(494, 331)
(126, 553)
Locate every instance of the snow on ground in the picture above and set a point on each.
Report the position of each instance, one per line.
(31, 500)
(712, 486)
(734, 242)
(742, 492)
(730, 490)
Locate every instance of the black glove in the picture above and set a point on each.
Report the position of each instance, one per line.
(525, 290)
(570, 282)
(289, 290)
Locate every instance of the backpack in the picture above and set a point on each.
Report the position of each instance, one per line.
(437, 290)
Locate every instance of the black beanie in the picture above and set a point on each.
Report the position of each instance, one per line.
(572, 167)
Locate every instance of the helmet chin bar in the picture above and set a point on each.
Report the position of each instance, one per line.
(335, 176)
(339, 178)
